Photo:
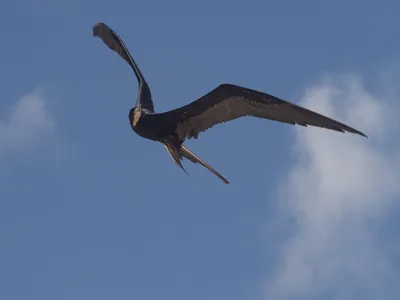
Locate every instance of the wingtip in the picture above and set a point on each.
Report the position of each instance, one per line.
(360, 133)
(97, 28)
(356, 132)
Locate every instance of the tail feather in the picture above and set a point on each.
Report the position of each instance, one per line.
(186, 153)
(176, 157)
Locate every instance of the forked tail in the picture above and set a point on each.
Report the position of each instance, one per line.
(176, 156)
(186, 153)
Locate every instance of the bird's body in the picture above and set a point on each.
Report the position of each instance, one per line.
(141, 121)
(225, 103)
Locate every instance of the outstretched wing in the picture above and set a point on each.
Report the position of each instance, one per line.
(228, 102)
(113, 41)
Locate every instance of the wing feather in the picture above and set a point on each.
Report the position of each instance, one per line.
(113, 41)
(228, 102)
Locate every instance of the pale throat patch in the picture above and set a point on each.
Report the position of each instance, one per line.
(136, 117)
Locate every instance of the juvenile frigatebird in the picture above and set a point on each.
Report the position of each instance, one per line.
(225, 103)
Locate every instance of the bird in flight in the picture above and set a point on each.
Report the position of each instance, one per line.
(224, 103)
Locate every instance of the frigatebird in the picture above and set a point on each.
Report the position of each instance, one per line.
(224, 103)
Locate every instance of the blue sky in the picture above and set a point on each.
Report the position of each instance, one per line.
(88, 210)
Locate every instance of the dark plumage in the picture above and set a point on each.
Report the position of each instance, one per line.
(225, 103)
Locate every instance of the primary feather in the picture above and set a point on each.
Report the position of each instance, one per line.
(228, 102)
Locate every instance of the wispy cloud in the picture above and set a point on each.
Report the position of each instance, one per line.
(25, 125)
(339, 192)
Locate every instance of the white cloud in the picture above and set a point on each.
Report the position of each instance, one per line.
(339, 192)
(26, 124)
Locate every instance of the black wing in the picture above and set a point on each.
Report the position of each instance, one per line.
(228, 102)
(113, 41)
